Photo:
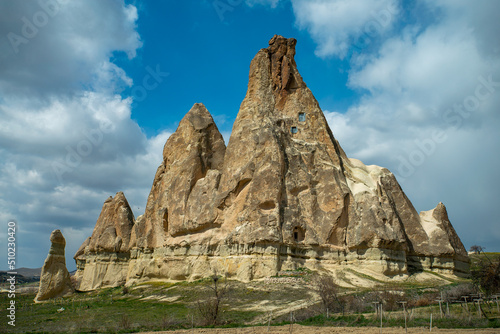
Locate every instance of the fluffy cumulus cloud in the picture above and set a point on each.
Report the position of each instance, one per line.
(72, 39)
(67, 140)
(429, 111)
(338, 26)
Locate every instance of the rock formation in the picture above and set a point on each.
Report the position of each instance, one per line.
(282, 195)
(104, 255)
(54, 280)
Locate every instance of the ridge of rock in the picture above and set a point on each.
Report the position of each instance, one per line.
(282, 195)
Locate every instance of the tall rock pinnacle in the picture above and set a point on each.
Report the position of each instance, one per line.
(183, 191)
(283, 153)
(54, 279)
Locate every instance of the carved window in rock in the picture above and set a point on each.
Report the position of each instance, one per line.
(294, 130)
(165, 220)
(298, 234)
(302, 116)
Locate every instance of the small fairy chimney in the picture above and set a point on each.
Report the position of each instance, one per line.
(55, 280)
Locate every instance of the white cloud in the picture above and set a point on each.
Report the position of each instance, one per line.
(68, 49)
(428, 114)
(67, 138)
(338, 25)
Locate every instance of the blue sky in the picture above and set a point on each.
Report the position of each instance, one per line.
(411, 86)
(208, 62)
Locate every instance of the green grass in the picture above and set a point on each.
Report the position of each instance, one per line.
(104, 311)
(111, 311)
(364, 276)
(118, 310)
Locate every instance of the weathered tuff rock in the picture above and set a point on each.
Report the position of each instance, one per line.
(108, 247)
(182, 197)
(282, 195)
(54, 280)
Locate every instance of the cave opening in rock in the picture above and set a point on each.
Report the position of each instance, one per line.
(294, 129)
(302, 116)
(298, 234)
(165, 220)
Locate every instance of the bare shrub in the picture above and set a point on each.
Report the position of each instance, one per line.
(209, 306)
(169, 323)
(456, 292)
(421, 301)
(476, 249)
(125, 322)
(359, 304)
(487, 276)
(306, 313)
(391, 299)
(328, 292)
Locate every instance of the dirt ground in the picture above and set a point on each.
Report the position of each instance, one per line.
(330, 330)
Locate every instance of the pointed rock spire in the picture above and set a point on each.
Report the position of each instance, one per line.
(113, 227)
(55, 280)
(443, 239)
(184, 187)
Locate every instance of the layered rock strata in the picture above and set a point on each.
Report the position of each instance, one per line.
(55, 280)
(282, 195)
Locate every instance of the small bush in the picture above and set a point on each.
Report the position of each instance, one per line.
(422, 301)
(456, 292)
(125, 322)
(169, 323)
(360, 304)
(209, 306)
(487, 276)
(391, 299)
(328, 292)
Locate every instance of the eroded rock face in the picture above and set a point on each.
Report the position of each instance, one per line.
(445, 251)
(113, 227)
(55, 280)
(102, 259)
(282, 195)
(182, 197)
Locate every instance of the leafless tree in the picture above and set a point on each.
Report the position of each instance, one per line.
(476, 249)
(487, 276)
(209, 307)
(328, 292)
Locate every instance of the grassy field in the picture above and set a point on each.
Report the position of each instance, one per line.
(155, 306)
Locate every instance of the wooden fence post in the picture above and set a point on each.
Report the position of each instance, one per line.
(404, 312)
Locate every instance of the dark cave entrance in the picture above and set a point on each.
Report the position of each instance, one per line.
(298, 234)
